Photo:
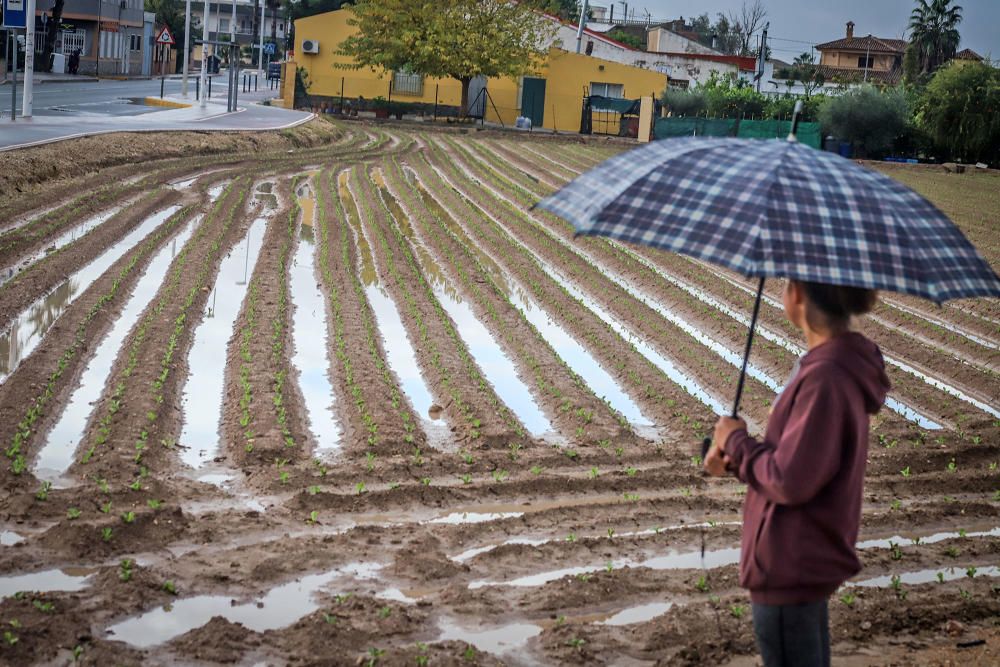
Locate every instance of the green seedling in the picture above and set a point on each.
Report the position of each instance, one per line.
(576, 643)
(583, 577)
(169, 587)
(970, 572)
(154, 504)
(905, 472)
(73, 513)
(848, 599)
(373, 655)
(951, 466)
(426, 481)
(106, 507)
(702, 584)
(966, 595)
(360, 488)
(952, 552)
(385, 612)
(313, 517)
(43, 492)
(44, 607)
(571, 454)
(611, 532)
(630, 471)
(136, 485)
(467, 457)
(962, 532)
(609, 566)
(895, 552)
(515, 449)
(329, 618)
(895, 505)
(536, 470)
(10, 637)
(940, 577)
(594, 473)
(128, 517)
(312, 490)
(571, 537)
(341, 598)
(696, 461)
(106, 534)
(631, 497)
(283, 477)
(370, 461)
(77, 652)
(466, 478)
(499, 475)
(469, 653)
(125, 569)
(737, 611)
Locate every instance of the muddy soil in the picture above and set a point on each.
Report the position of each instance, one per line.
(398, 548)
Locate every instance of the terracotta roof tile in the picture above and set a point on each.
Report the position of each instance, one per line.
(853, 75)
(869, 43)
(968, 54)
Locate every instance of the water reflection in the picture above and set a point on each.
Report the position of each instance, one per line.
(30, 327)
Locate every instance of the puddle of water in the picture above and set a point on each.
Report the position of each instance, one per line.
(280, 607)
(658, 360)
(203, 390)
(67, 579)
(925, 576)
(498, 641)
(9, 538)
(574, 354)
(309, 324)
(639, 614)
(457, 518)
(887, 543)
(185, 184)
(60, 445)
(368, 275)
(399, 352)
(64, 239)
(30, 327)
(216, 191)
(497, 367)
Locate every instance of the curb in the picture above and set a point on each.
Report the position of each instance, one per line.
(158, 102)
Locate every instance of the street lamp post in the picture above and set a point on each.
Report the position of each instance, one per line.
(27, 92)
(260, 58)
(187, 47)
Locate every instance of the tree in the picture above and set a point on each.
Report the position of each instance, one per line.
(749, 19)
(567, 10)
(460, 39)
(804, 71)
(958, 112)
(171, 14)
(52, 29)
(911, 65)
(871, 120)
(934, 32)
(627, 38)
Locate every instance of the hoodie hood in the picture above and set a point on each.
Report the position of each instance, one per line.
(861, 359)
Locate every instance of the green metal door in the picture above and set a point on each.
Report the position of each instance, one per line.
(533, 100)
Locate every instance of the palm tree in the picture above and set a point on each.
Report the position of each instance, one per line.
(934, 32)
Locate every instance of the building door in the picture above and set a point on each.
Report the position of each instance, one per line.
(477, 98)
(533, 100)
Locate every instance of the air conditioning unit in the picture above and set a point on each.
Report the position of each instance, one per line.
(310, 46)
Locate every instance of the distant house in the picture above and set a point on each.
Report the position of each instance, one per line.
(968, 55)
(674, 49)
(852, 60)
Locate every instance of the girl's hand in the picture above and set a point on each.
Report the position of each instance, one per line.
(724, 428)
(716, 461)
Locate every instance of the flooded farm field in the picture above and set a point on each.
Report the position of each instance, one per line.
(359, 403)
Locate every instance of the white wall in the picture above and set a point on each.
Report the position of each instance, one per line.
(661, 39)
(695, 71)
(565, 38)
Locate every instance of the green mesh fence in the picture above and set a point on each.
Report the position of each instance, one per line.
(808, 133)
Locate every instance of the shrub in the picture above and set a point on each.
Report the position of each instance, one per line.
(684, 102)
(871, 120)
(960, 112)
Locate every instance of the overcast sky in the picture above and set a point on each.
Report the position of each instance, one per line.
(816, 22)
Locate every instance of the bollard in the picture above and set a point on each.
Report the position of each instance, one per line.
(197, 86)
(162, 81)
(209, 87)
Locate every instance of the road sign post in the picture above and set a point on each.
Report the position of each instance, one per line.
(187, 47)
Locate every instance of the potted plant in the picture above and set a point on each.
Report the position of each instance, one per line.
(381, 107)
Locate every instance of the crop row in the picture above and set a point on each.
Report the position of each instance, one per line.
(641, 378)
(577, 406)
(670, 337)
(371, 402)
(140, 412)
(375, 218)
(26, 426)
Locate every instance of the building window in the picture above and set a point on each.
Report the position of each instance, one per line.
(866, 62)
(608, 89)
(135, 42)
(223, 25)
(407, 83)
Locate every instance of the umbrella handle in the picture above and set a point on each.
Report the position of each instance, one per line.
(707, 442)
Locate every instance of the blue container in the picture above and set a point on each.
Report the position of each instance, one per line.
(845, 149)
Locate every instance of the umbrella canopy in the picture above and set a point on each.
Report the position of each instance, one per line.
(777, 208)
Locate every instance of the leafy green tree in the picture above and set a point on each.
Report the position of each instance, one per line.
(934, 32)
(567, 10)
(627, 38)
(804, 71)
(684, 102)
(460, 39)
(911, 65)
(726, 98)
(870, 119)
(960, 112)
(171, 14)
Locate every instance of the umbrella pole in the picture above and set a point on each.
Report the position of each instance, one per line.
(746, 352)
(707, 442)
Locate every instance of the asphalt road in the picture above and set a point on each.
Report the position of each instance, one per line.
(105, 98)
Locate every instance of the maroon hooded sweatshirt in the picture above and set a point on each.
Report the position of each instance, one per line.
(805, 479)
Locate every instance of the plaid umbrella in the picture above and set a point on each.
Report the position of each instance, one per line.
(776, 208)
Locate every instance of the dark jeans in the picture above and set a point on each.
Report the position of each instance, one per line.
(793, 635)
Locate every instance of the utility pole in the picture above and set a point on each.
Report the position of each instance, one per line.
(187, 47)
(868, 55)
(203, 86)
(579, 28)
(762, 55)
(260, 60)
(27, 94)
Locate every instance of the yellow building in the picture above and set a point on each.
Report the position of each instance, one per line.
(552, 98)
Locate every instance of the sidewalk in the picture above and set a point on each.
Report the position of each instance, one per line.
(250, 117)
(42, 77)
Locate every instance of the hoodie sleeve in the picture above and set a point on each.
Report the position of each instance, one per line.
(807, 456)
